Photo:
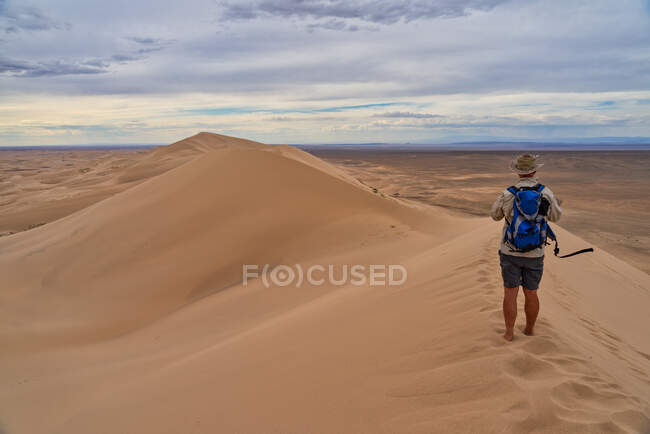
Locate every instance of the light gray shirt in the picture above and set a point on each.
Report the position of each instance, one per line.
(503, 207)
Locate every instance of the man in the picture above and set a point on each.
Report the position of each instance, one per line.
(522, 267)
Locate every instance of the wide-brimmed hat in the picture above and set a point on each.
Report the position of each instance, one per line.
(525, 164)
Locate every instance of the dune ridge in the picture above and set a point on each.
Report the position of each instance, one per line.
(135, 305)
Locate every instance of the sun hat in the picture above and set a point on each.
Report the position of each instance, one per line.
(525, 164)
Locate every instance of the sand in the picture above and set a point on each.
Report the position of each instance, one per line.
(38, 186)
(130, 315)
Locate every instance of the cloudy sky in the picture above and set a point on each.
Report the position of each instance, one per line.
(323, 71)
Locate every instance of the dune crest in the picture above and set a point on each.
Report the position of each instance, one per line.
(135, 305)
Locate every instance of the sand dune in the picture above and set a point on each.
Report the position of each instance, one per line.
(130, 315)
(39, 186)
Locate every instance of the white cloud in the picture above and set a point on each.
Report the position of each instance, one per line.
(448, 60)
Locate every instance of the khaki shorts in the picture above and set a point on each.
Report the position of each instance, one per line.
(519, 271)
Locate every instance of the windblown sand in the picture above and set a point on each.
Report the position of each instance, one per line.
(39, 186)
(129, 315)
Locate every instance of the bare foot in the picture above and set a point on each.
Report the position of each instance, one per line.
(529, 331)
(509, 335)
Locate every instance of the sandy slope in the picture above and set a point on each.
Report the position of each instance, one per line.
(39, 186)
(130, 315)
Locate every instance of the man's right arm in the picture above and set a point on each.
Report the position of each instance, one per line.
(496, 212)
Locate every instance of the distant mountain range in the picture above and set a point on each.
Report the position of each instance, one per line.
(592, 143)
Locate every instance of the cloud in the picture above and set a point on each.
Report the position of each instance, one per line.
(371, 11)
(302, 118)
(20, 68)
(226, 111)
(339, 25)
(144, 40)
(85, 66)
(407, 115)
(149, 44)
(68, 127)
(144, 45)
(562, 49)
(14, 19)
(357, 107)
(510, 122)
(603, 105)
(123, 58)
(236, 64)
(26, 69)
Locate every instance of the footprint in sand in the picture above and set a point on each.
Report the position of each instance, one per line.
(525, 366)
(631, 420)
(587, 395)
(541, 345)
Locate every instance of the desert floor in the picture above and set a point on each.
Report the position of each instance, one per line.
(39, 186)
(605, 195)
(123, 307)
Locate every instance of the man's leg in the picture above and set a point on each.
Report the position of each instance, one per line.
(531, 306)
(510, 311)
(531, 277)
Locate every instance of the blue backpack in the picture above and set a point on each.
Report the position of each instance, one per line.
(528, 229)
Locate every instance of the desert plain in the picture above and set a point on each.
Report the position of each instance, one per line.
(123, 307)
(604, 193)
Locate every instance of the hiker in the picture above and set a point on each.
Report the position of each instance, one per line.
(521, 250)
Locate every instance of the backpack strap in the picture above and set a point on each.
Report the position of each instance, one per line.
(537, 187)
(587, 250)
(512, 189)
(556, 250)
(551, 234)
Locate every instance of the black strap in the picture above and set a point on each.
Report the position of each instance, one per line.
(556, 251)
(536, 187)
(590, 249)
